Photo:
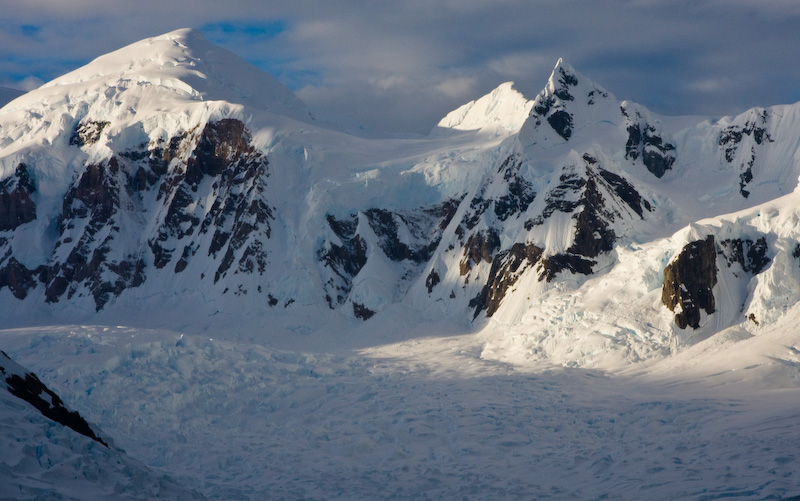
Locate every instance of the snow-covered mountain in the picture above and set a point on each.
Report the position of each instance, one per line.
(215, 277)
(171, 171)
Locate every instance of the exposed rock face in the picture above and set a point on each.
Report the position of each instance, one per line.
(432, 280)
(345, 259)
(424, 229)
(17, 277)
(236, 212)
(550, 106)
(28, 387)
(16, 206)
(626, 192)
(507, 267)
(688, 282)
(519, 193)
(407, 237)
(580, 192)
(362, 312)
(88, 225)
(515, 196)
(480, 246)
(734, 141)
(88, 132)
(646, 142)
(731, 137)
(594, 197)
(210, 181)
(561, 122)
(751, 255)
(690, 278)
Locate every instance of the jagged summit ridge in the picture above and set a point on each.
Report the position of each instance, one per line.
(505, 109)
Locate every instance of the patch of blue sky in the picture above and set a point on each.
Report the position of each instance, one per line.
(16, 70)
(30, 30)
(291, 76)
(247, 40)
(225, 33)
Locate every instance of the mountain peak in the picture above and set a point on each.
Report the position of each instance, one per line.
(568, 99)
(178, 66)
(563, 79)
(503, 109)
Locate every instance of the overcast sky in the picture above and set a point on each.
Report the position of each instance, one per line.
(402, 65)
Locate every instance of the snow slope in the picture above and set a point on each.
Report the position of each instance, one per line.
(43, 459)
(428, 418)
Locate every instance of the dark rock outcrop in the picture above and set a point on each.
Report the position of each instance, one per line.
(238, 215)
(344, 259)
(626, 192)
(29, 388)
(362, 312)
(731, 137)
(688, 282)
(480, 246)
(657, 152)
(423, 226)
(551, 105)
(755, 133)
(405, 236)
(17, 277)
(515, 194)
(16, 206)
(208, 180)
(507, 266)
(89, 225)
(88, 132)
(750, 254)
(575, 264)
(561, 122)
(519, 192)
(580, 192)
(432, 280)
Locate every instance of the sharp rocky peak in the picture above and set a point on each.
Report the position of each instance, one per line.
(567, 84)
(565, 101)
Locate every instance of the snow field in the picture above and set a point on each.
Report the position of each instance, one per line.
(42, 459)
(424, 418)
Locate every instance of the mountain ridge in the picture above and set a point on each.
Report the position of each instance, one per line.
(182, 184)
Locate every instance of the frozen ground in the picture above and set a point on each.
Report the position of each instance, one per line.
(427, 418)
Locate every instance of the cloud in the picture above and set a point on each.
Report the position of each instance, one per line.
(402, 65)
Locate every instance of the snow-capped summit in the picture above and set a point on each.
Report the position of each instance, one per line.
(501, 111)
(150, 88)
(184, 62)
